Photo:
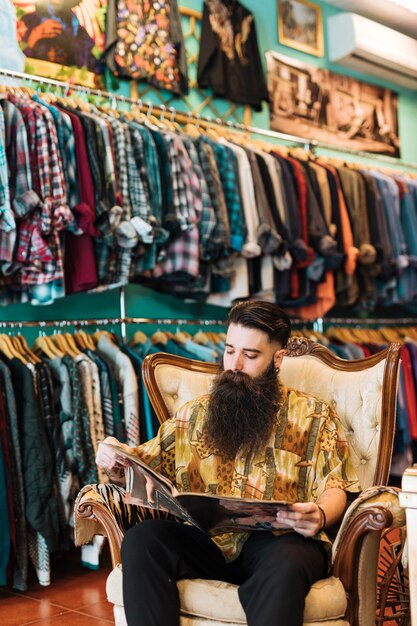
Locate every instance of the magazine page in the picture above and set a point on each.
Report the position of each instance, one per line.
(146, 469)
(217, 515)
(211, 513)
(146, 487)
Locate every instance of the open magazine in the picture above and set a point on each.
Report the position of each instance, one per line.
(210, 513)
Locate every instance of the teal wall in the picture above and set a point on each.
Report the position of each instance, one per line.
(145, 303)
(266, 17)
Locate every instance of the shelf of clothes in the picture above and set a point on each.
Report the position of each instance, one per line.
(59, 399)
(204, 214)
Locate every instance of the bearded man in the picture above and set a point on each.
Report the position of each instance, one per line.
(250, 438)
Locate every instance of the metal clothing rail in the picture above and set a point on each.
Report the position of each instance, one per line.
(205, 120)
(368, 321)
(110, 321)
(115, 321)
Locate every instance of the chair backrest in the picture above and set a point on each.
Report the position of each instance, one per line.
(363, 393)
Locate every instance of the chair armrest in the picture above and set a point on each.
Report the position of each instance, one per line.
(408, 499)
(101, 510)
(385, 497)
(356, 548)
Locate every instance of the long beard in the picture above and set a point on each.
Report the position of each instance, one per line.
(242, 411)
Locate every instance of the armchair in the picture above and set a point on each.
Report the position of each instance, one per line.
(364, 395)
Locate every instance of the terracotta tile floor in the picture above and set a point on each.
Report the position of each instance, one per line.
(76, 597)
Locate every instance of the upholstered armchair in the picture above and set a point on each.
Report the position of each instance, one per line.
(363, 393)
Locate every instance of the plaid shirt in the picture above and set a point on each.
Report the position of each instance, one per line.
(7, 220)
(208, 219)
(152, 172)
(109, 166)
(221, 235)
(61, 214)
(121, 164)
(69, 163)
(183, 252)
(38, 247)
(138, 149)
(66, 146)
(137, 193)
(228, 168)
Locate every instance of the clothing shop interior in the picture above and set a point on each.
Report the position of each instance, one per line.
(160, 162)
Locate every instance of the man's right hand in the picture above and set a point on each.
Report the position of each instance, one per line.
(111, 462)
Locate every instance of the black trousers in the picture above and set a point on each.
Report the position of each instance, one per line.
(274, 573)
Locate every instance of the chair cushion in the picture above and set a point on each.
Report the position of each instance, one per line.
(216, 600)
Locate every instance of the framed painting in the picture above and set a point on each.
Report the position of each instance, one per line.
(62, 39)
(300, 26)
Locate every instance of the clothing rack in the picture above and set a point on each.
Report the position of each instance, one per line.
(110, 321)
(114, 321)
(204, 121)
(319, 323)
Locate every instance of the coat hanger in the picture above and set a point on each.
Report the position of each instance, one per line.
(139, 338)
(105, 333)
(44, 344)
(21, 345)
(201, 338)
(8, 349)
(166, 122)
(84, 341)
(175, 124)
(160, 337)
(152, 121)
(301, 154)
(72, 343)
(61, 342)
(181, 336)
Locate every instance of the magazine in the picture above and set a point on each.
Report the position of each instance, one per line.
(210, 513)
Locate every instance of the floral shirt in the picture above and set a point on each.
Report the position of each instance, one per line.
(306, 453)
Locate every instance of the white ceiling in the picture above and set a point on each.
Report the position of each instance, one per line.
(382, 11)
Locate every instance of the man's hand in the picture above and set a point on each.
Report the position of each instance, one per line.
(307, 519)
(304, 517)
(112, 463)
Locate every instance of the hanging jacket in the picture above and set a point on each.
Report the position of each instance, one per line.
(229, 60)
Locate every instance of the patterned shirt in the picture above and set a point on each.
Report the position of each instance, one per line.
(306, 453)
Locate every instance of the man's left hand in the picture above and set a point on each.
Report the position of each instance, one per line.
(304, 517)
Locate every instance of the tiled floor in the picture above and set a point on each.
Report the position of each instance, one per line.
(76, 597)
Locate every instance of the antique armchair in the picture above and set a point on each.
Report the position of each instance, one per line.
(364, 395)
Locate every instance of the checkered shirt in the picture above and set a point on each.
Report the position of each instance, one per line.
(7, 219)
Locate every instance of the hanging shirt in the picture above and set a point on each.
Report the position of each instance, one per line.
(229, 60)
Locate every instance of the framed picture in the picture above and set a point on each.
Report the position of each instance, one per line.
(314, 103)
(300, 26)
(62, 39)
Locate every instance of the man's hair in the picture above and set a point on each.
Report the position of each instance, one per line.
(264, 316)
